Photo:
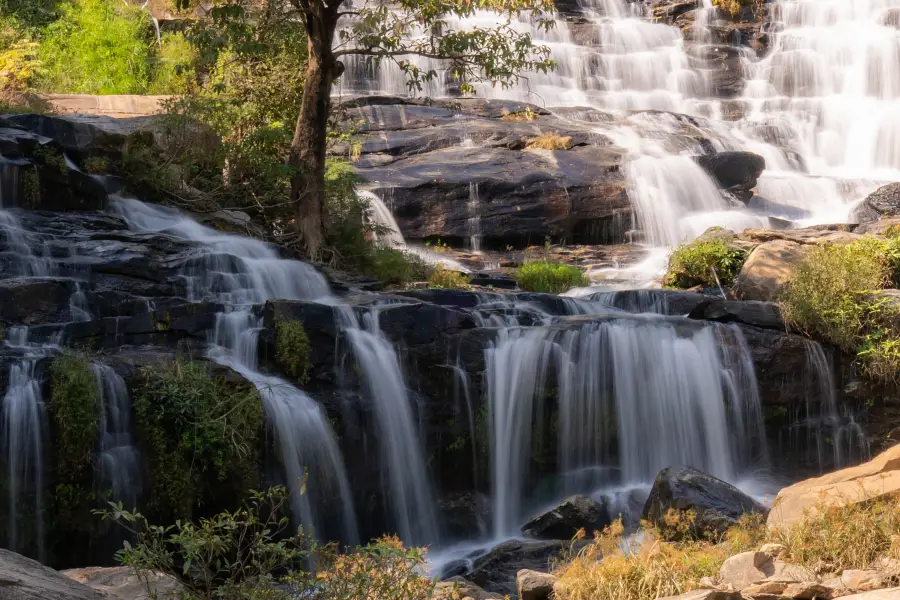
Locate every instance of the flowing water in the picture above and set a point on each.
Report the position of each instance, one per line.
(119, 463)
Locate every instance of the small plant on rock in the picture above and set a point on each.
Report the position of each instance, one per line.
(550, 277)
(550, 141)
(292, 349)
(442, 277)
(704, 262)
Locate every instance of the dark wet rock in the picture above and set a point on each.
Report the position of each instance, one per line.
(759, 314)
(662, 302)
(495, 280)
(563, 521)
(716, 505)
(35, 300)
(883, 202)
(736, 172)
(25, 579)
(496, 571)
(465, 515)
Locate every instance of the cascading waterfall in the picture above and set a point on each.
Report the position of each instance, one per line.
(119, 463)
(474, 221)
(243, 271)
(410, 488)
(640, 394)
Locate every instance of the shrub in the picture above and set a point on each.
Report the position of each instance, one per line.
(75, 409)
(200, 434)
(550, 277)
(550, 141)
(833, 296)
(97, 47)
(292, 349)
(522, 116)
(251, 554)
(702, 261)
(397, 267)
(174, 67)
(442, 277)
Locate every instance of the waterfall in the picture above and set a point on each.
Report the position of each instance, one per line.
(240, 272)
(410, 489)
(118, 463)
(474, 221)
(641, 394)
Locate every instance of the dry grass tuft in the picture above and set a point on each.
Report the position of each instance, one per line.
(550, 141)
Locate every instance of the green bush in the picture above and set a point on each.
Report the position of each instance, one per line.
(834, 296)
(397, 267)
(174, 66)
(292, 349)
(550, 277)
(97, 47)
(200, 433)
(702, 261)
(75, 409)
(252, 554)
(442, 277)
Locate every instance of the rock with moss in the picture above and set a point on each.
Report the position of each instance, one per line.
(292, 349)
(712, 260)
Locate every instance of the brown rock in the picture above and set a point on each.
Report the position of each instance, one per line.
(745, 569)
(25, 579)
(122, 583)
(888, 594)
(533, 585)
(465, 589)
(706, 595)
(767, 271)
(862, 580)
(765, 588)
(774, 550)
(806, 590)
(876, 478)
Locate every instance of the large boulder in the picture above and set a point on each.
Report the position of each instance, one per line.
(534, 585)
(25, 579)
(736, 172)
(496, 571)
(123, 583)
(883, 202)
(767, 270)
(563, 521)
(715, 504)
(876, 478)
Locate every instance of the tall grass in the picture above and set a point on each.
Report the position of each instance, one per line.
(550, 277)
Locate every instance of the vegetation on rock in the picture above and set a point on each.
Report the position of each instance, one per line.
(834, 295)
(707, 262)
(550, 277)
(292, 349)
(442, 277)
(550, 141)
(252, 553)
(200, 435)
(75, 409)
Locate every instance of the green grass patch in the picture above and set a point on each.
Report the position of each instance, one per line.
(550, 277)
(702, 261)
(442, 277)
(834, 296)
(292, 349)
(200, 433)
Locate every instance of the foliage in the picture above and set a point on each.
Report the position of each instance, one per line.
(97, 47)
(704, 262)
(292, 349)
(550, 141)
(733, 6)
(442, 277)
(521, 116)
(637, 568)
(853, 536)
(19, 63)
(397, 267)
(550, 277)
(251, 554)
(75, 409)
(834, 296)
(198, 431)
(174, 66)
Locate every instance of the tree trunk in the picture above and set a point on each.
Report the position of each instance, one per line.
(307, 153)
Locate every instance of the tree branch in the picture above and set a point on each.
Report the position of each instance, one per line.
(405, 52)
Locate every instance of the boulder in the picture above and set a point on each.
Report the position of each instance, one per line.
(883, 202)
(496, 571)
(757, 573)
(766, 315)
(806, 590)
(563, 521)
(122, 583)
(533, 585)
(886, 594)
(876, 478)
(862, 580)
(716, 505)
(736, 172)
(706, 595)
(25, 579)
(35, 300)
(457, 587)
(767, 270)
(745, 569)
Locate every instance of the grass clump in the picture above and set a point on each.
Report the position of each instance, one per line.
(75, 409)
(521, 116)
(292, 349)
(550, 277)
(550, 141)
(442, 277)
(396, 267)
(704, 262)
(200, 433)
(834, 295)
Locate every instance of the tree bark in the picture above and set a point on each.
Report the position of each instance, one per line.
(307, 154)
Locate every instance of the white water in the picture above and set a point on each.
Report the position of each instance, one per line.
(633, 393)
(119, 463)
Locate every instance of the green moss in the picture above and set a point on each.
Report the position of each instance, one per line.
(550, 277)
(31, 186)
(201, 435)
(75, 409)
(48, 156)
(703, 262)
(835, 296)
(96, 164)
(292, 349)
